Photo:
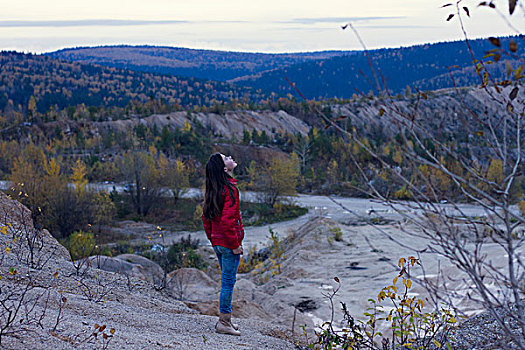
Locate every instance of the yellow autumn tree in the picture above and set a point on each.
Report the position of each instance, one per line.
(187, 126)
(39, 183)
(174, 175)
(53, 183)
(9, 151)
(332, 172)
(104, 210)
(397, 157)
(179, 179)
(278, 179)
(27, 177)
(78, 178)
(31, 108)
(495, 171)
(141, 169)
(251, 170)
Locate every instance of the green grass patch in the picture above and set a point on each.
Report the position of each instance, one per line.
(257, 214)
(185, 215)
(180, 254)
(177, 216)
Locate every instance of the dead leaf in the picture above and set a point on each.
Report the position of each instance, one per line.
(495, 41)
(513, 46)
(512, 6)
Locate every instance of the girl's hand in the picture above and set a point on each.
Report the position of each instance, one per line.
(238, 250)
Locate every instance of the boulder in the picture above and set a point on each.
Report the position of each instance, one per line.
(315, 235)
(278, 311)
(190, 284)
(150, 269)
(110, 264)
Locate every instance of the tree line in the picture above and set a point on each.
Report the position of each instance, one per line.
(45, 83)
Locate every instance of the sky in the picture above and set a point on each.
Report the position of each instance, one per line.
(245, 25)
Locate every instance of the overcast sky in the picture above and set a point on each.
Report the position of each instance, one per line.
(242, 25)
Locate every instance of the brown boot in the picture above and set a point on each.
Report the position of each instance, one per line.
(224, 326)
(234, 325)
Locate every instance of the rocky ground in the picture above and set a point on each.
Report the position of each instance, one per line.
(272, 303)
(364, 259)
(228, 125)
(58, 304)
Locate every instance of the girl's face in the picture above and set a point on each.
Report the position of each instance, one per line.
(229, 163)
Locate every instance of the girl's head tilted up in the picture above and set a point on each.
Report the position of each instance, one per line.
(218, 171)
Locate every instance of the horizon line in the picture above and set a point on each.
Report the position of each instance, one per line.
(265, 52)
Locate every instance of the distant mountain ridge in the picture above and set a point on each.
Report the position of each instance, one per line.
(257, 77)
(205, 64)
(426, 67)
(318, 75)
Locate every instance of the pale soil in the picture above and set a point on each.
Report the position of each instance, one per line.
(365, 260)
(141, 317)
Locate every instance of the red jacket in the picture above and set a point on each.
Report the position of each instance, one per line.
(226, 230)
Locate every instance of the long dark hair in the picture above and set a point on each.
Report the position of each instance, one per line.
(216, 179)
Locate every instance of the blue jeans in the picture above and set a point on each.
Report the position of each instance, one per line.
(229, 264)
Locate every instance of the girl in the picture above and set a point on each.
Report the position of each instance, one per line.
(222, 223)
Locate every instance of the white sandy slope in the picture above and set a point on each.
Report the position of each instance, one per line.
(141, 317)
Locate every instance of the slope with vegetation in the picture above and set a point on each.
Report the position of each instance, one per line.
(49, 301)
(35, 83)
(425, 67)
(163, 154)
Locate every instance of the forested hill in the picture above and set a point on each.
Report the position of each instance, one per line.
(206, 64)
(318, 74)
(53, 82)
(424, 66)
(48, 82)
